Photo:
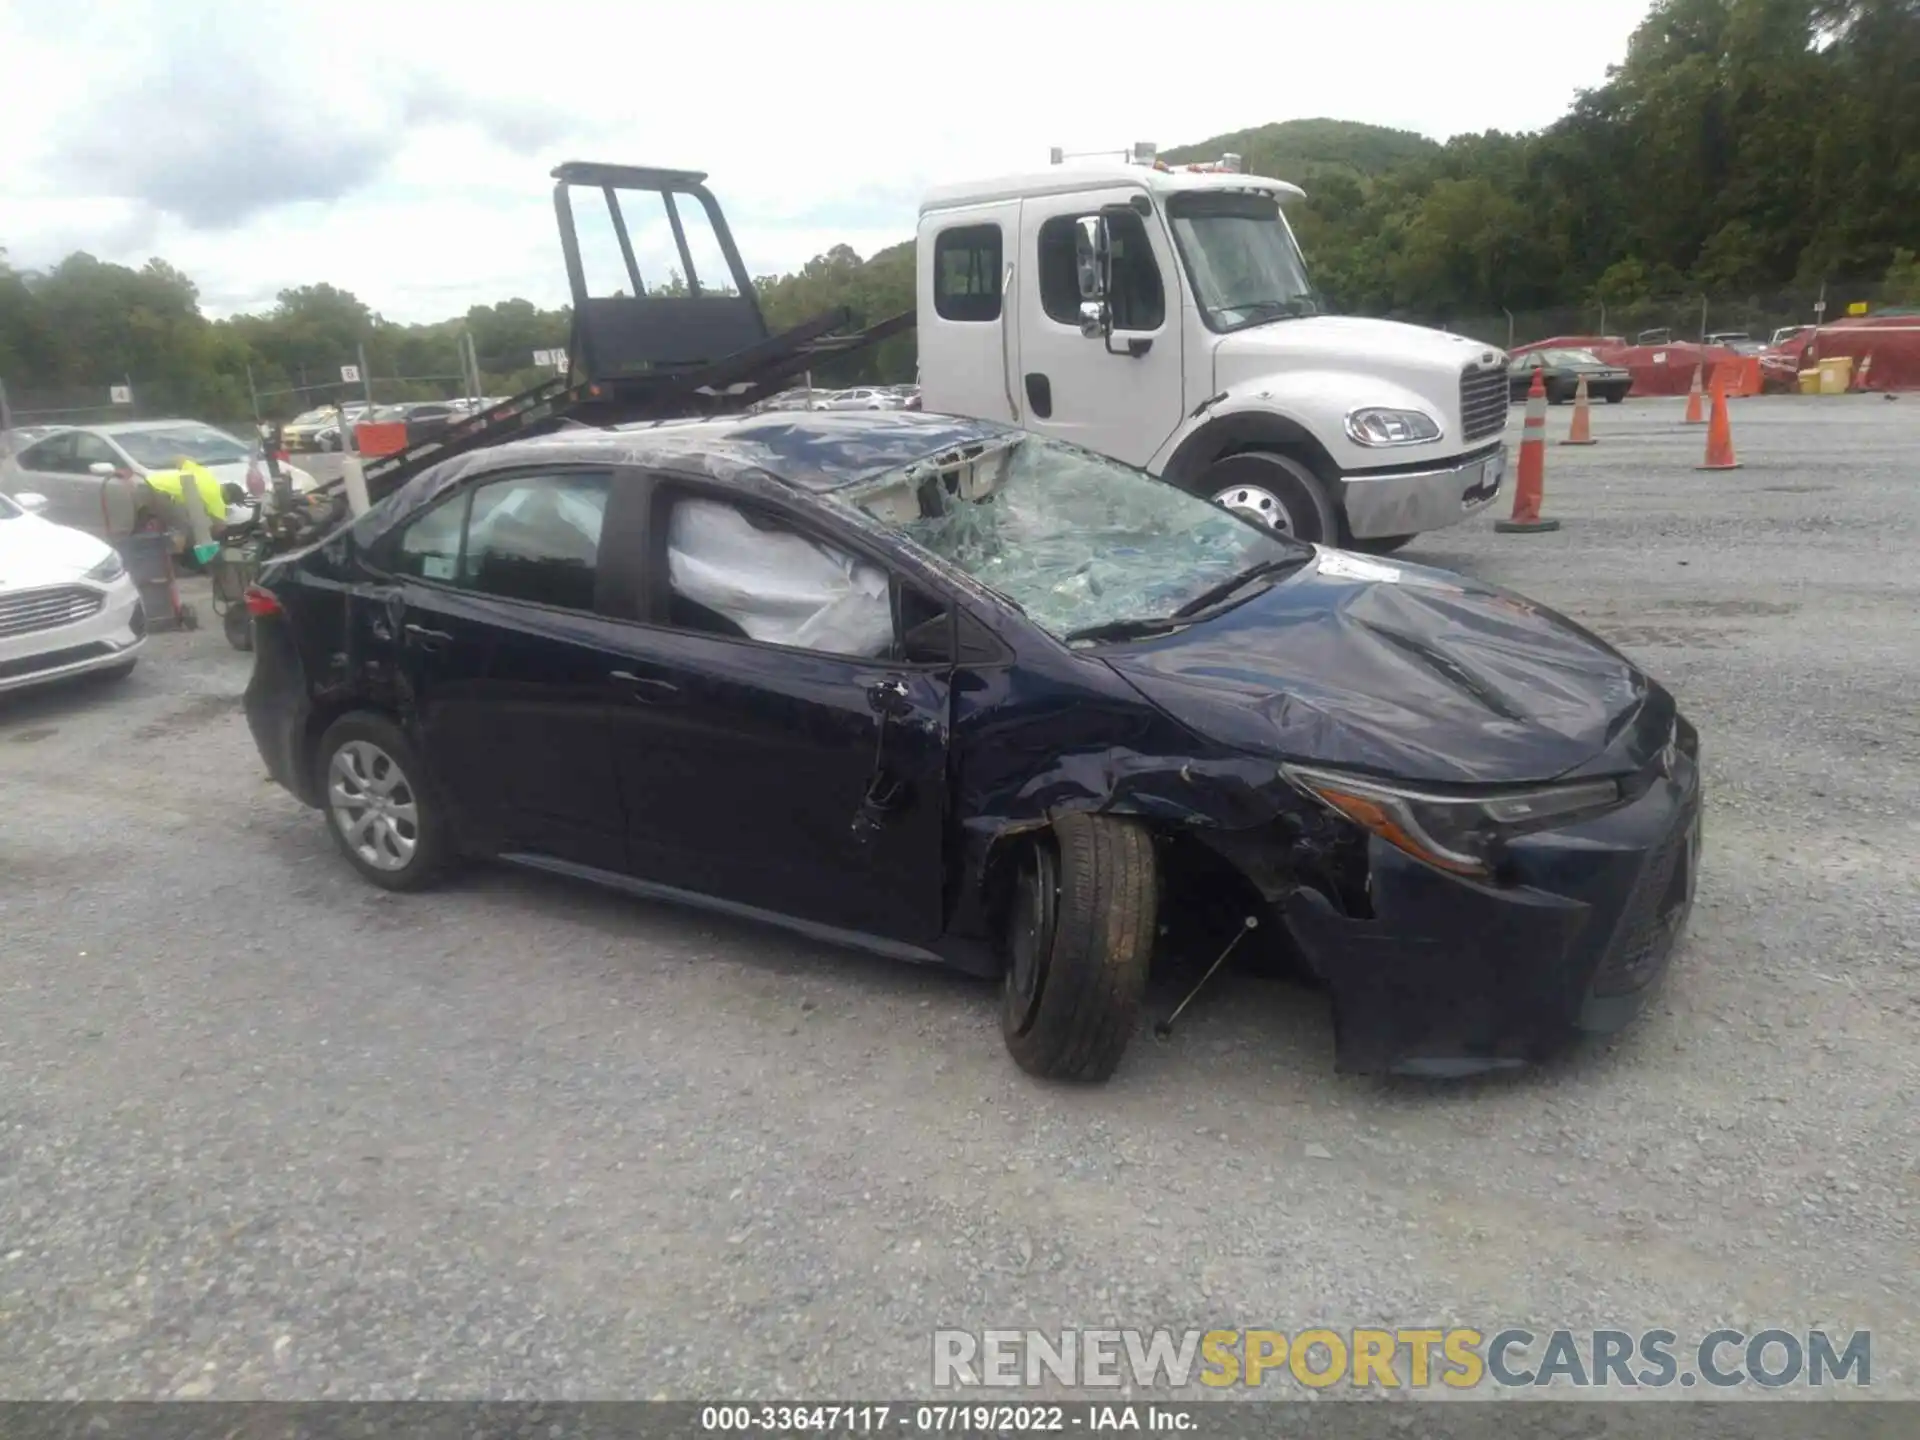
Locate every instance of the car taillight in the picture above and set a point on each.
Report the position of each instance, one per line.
(262, 601)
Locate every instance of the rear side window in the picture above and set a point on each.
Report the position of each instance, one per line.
(51, 456)
(526, 537)
(966, 273)
(536, 537)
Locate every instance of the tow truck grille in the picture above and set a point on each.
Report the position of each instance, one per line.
(26, 611)
(1483, 401)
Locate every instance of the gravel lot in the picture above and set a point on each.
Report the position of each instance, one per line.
(268, 1132)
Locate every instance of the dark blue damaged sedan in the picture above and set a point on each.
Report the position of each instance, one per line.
(954, 692)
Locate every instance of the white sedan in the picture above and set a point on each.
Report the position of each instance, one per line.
(75, 467)
(67, 604)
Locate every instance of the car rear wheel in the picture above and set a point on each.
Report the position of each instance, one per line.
(1080, 932)
(1614, 397)
(382, 815)
(1273, 490)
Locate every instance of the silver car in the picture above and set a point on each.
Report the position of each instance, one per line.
(74, 469)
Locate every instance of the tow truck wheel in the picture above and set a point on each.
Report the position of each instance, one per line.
(1080, 934)
(1273, 490)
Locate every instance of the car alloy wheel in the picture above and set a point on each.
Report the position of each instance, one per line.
(373, 804)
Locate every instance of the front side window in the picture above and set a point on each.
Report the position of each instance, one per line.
(1241, 258)
(50, 457)
(1136, 298)
(966, 273)
(745, 574)
(1076, 540)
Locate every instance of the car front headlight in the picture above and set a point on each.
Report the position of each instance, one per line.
(1456, 833)
(111, 568)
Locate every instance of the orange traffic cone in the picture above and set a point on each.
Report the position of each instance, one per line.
(1528, 488)
(1866, 369)
(1696, 413)
(1719, 434)
(1582, 431)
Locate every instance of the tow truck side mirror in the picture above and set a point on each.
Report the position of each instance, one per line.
(1093, 257)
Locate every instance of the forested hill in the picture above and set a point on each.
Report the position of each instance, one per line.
(1297, 150)
(1741, 149)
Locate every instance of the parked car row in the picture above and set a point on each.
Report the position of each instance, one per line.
(858, 397)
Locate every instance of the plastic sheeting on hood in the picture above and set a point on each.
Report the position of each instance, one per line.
(779, 587)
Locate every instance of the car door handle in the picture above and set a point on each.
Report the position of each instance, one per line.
(889, 697)
(646, 688)
(426, 639)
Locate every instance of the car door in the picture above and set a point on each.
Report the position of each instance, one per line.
(1121, 395)
(780, 749)
(501, 660)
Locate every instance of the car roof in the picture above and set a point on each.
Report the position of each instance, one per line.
(813, 450)
(126, 427)
(808, 451)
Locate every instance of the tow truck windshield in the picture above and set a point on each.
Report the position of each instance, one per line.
(1241, 259)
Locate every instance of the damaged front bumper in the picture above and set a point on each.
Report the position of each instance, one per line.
(1451, 976)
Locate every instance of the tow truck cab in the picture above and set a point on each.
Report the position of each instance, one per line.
(1164, 316)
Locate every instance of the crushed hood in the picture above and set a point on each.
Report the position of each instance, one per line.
(1404, 672)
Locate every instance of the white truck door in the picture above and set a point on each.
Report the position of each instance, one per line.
(1092, 392)
(965, 318)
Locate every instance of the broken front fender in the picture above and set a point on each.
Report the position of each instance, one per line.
(1448, 976)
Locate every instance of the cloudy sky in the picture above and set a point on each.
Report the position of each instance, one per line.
(402, 149)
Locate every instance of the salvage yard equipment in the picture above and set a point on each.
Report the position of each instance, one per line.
(640, 356)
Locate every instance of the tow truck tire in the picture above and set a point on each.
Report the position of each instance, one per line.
(1080, 933)
(1275, 490)
(381, 752)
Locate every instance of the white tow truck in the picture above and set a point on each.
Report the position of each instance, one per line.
(1163, 315)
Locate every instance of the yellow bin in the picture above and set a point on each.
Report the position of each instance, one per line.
(1809, 382)
(1836, 374)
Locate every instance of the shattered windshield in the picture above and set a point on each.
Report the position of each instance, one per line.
(1244, 265)
(1080, 542)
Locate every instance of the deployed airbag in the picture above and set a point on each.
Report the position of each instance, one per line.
(777, 586)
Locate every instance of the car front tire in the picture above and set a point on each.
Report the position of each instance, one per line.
(379, 807)
(1080, 933)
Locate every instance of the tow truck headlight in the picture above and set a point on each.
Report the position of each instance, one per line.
(1456, 833)
(1378, 426)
